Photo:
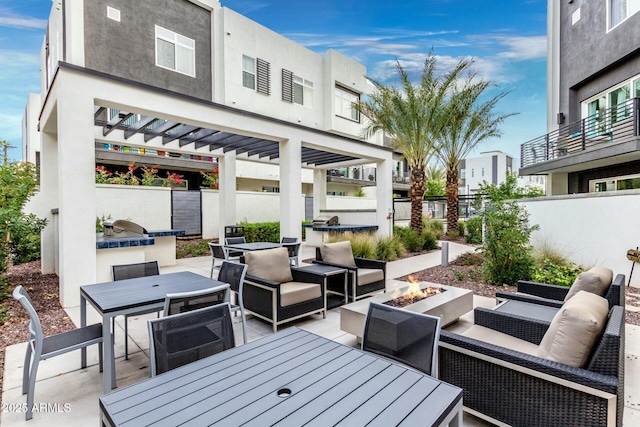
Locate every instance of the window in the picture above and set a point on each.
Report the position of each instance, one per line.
(175, 52)
(619, 10)
(346, 101)
(482, 172)
(336, 193)
(472, 173)
(113, 13)
(618, 101)
(302, 91)
(270, 189)
(608, 108)
(248, 72)
(628, 182)
(463, 173)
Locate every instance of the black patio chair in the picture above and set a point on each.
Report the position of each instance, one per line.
(181, 302)
(132, 271)
(405, 336)
(234, 241)
(186, 337)
(234, 274)
(218, 253)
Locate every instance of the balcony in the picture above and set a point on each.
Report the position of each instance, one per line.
(565, 148)
(361, 176)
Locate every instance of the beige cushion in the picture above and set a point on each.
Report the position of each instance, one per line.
(490, 336)
(596, 280)
(575, 329)
(297, 292)
(338, 253)
(369, 275)
(270, 264)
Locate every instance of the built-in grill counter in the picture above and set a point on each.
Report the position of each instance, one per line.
(125, 242)
(319, 231)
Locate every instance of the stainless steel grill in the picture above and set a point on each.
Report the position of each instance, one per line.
(123, 228)
(325, 220)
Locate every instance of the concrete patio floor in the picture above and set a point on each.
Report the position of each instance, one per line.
(69, 396)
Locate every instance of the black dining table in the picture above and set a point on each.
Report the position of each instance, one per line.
(142, 294)
(290, 378)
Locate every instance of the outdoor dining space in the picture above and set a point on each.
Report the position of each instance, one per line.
(311, 363)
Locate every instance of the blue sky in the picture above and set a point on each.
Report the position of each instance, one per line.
(506, 39)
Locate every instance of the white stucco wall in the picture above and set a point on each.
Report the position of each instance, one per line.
(591, 229)
(149, 207)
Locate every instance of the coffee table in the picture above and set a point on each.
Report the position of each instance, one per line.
(448, 305)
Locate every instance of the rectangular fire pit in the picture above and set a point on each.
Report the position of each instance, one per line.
(449, 304)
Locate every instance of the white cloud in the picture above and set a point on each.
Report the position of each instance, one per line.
(524, 48)
(9, 19)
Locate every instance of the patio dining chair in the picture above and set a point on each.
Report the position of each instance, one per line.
(41, 347)
(234, 273)
(293, 247)
(218, 253)
(181, 302)
(132, 271)
(234, 241)
(183, 338)
(405, 336)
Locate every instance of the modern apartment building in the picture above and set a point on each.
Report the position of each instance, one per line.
(593, 85)
(198, 81)
(491, 167)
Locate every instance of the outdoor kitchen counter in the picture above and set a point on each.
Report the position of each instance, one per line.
(155, 245)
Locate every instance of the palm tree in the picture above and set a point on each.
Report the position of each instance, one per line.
(412, 115)
(469, 122)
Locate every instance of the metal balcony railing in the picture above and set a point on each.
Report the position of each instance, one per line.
(358, 172)
(613, 125)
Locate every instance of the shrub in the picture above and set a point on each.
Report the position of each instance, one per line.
(25, 238)
(506, 248)
(474, 230)
(410, 238)
(554, 273)
(434, 225)
(470, 258)
(363, 245)
(262, 231)
(429, 241)
(385, 249)
(462, 226)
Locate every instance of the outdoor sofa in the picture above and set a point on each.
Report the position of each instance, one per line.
(505, 379)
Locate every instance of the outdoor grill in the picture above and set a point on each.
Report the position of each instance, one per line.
(123, 228)
(325, 220)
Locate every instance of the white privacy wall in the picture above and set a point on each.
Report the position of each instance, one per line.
(149, 207)
(591, 229)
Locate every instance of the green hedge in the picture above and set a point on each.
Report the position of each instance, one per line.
(265, 231)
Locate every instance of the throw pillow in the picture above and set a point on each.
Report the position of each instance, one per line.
(595, 280)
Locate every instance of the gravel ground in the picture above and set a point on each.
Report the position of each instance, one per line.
(43, 290)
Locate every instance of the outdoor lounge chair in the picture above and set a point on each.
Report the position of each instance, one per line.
(366, 276)
(186, 337)
(521, 371)
(277, 293)
(132, 271)
(402, 335)
(41, 347)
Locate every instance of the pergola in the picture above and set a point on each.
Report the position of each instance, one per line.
(72, 121)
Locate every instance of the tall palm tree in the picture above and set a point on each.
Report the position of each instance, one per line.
(412, 115)
(469, 122)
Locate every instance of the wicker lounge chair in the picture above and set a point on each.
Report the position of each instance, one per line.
(275, 292)
(366, 276)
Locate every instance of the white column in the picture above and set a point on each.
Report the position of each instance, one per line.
(291, 188)
(384, 194)
(49, 199)
(76, 190)
(227, 186)
(319, 191)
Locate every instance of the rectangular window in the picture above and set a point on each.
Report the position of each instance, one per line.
(248, 72)
(270, 189)
(175, 52)
(302, 91)
(628, 182)
(345, 102)
(618, 100)
(619, 10)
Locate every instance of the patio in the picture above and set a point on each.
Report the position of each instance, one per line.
(69, 395)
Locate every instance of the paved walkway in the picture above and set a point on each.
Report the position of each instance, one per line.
(60, 381)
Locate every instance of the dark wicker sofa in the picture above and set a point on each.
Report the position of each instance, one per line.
(524, 390)
(553, 296)
(358, 268)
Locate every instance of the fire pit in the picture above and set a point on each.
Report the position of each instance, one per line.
(447, 302)
(413, 294)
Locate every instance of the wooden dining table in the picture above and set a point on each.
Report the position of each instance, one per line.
(290, 378)
(142, 294)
